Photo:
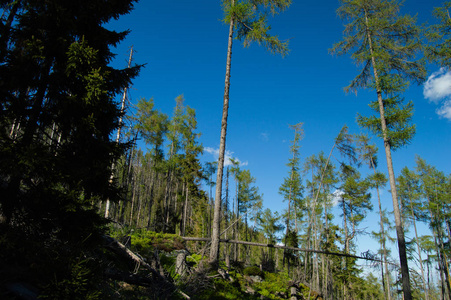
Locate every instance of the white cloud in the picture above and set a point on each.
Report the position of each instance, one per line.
(438, 86)
(228, 156)
(336, 197)
(445, 110)
(438, 90)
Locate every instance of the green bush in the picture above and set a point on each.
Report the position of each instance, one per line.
(253, 271)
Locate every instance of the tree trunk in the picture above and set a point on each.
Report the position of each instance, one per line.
(214, 250)
(386, 281)
(419, 250)
(226, 248)
(399, 230)
(118, 135)
(345, 266)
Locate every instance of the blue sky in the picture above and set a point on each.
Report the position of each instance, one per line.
(184, 43)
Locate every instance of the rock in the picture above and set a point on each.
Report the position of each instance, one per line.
(293, 291)
(250, 290)
(256, 278)
(180, 264)
(280, 295)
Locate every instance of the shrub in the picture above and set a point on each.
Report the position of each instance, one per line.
(253, 271)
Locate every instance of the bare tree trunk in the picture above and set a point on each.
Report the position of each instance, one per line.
(153, 175)
(118, 135)
(386, 280)
(325, 259)
(214, 250)
(226, 246)
(133, 202)
(426, 291)
(185, 209)
(345, 266)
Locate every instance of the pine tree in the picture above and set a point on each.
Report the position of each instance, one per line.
(292, 188)
(367, 153)
(247, 21)
(386, 44)
(355, 204)
(409, 194)
(436, 192)
(439, 46)
(58, 94)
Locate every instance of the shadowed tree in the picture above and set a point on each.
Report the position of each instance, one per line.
(386, 45)
(247, 21)
(58, 93)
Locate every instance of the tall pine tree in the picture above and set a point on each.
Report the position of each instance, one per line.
(386, 44)
(247, 21)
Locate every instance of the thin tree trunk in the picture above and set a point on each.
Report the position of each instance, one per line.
(345, 266)
(386, 282)
(226, 248)
(325, 259)
(185, 208)
(214, 250)
(151, 196)
(399, 230)
(118, 135)
(418, 248)
(133, 203)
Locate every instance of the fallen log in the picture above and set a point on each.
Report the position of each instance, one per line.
(286, 248)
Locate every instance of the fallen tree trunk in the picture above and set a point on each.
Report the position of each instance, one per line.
(118, 248)
(368, 257)
(122, 251)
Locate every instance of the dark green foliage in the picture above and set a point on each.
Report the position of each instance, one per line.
(78, 285)
(253, 271)
(439, 47)
(148, 241)
(398, 117)
(251, 22)
(58, 111)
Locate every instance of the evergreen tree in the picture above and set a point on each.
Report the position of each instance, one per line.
(409, 194)
(436, 193)
(367, 153)
(387, 43)
(152, 126)
(247, 21)
(58, 95)
(439, 46)
(292, 188)
(190, 165)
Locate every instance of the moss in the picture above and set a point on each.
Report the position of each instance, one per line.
(272, 284)
(253, 271)
(224, 290)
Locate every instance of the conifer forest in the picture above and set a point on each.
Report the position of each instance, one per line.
(105, 194)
